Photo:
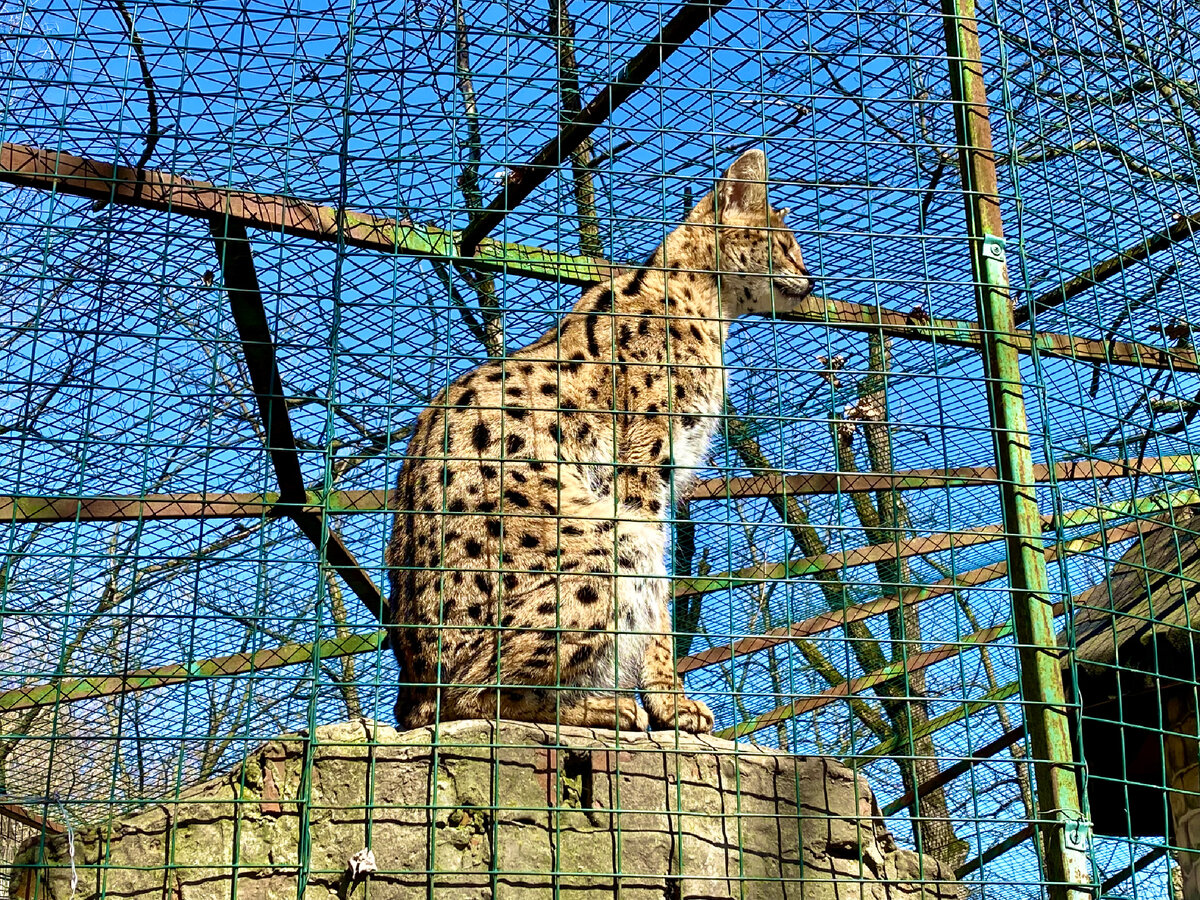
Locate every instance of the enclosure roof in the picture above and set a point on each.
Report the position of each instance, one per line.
(1133, 635)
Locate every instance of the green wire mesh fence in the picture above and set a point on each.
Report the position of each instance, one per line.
(933, 574)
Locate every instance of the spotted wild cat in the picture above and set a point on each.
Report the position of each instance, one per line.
(527, 572)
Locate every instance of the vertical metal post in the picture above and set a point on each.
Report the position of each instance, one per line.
(1065, 835)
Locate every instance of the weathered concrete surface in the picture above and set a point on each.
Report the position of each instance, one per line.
(585, 812)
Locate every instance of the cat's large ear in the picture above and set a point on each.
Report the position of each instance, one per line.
(743, 189)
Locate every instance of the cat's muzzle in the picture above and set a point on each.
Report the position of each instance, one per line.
(794, 287)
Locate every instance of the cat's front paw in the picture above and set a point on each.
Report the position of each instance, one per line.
(675, 711)
(694, 717)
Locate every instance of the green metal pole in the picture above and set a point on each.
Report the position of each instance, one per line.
(1066, 836)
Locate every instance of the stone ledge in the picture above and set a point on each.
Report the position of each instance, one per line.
(505, 809)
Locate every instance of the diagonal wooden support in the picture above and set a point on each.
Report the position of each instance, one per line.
(258, 347)
(912, 595)
(27, 817)
(75, 689)
(42, 169)
(1179, 230)
(523, 180)
(913, 663)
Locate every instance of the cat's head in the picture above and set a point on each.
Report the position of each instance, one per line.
(758, 260)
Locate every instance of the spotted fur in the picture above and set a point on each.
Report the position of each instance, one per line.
(526, 559)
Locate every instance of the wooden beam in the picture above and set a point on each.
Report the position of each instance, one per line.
(523, 179)
(926, 479)
(182, 506)
(71, 690)
(240, 280)
(914, 662)
(919, 546)
(150, 189)
(948, 774)
(120, 508)
(160, 191)
(963, 333)
(868, 554)
(29, 818)
(923, 659)
(1183, 227)
(827, 621)
(964, 709)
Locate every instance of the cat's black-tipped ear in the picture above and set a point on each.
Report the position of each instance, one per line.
(743, 189)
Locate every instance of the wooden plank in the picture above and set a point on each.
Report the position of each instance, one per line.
(119, 508)
(963, 333)
(70, 690)
(151, 189)
(1181, 229)
(155, 190)
(29, 818)
(925, 479)
(74, 689)
(179, 506)
(827, 621)
(914, 662)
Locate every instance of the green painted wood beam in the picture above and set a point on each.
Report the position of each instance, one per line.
(70, 690)
(151, 189)
(49, 170)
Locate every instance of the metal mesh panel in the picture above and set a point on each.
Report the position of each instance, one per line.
(943, 532)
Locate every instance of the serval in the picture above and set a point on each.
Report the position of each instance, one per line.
(526, 559)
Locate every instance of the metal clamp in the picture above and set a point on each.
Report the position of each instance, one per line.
(1077, 832)
(994, 247)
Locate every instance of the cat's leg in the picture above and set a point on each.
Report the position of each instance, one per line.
(646, 647)
(662, 691)
(590, 710)
(416, 707)
(416, 702)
